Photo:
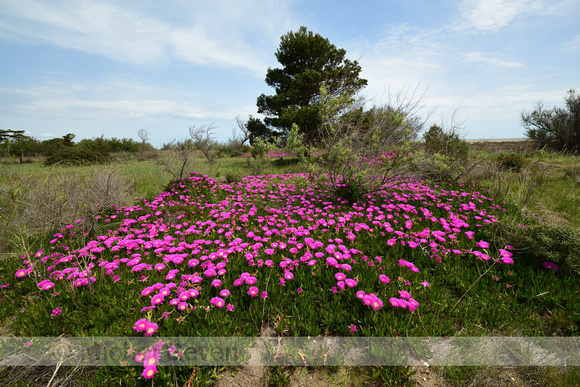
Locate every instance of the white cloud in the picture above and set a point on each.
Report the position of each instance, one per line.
(492, 15)
(47, 135)
(573, 44)
(111, 99)
(222, 33)
(489, 59)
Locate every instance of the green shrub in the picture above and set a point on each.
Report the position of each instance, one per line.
(446, 143)
(541, 243)
(78, 156)
(511, 161)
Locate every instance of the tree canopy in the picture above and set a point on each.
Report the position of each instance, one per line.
(308, 60)
(557, 128)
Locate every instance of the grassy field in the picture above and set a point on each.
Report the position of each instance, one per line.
(226, 254)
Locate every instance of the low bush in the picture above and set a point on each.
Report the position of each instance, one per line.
(78, 156)
(511, 161)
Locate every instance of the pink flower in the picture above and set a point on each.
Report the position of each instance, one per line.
(288, 275)
(425, 284)
(253, 291)
(251, 280)
(352, 328)
(141, 325)
(47, 286)
(56, 312)
(482, 244)
(224, 293)
(216, 283)
(182, 305)
(507, 260)
(159, 267)
(368, 299)
(230, 308)
(360, 294)
(384, 279)
(157, 299)
(404, 294)
(299, 290)
(150, 329)
(377, 303)
(340, 276)
(350, 282)
(21, 273)
(217, 301)
(397, 303)
(151, 359)
(550, 266)
(264, 295)
(149, 372)
(140, 357)
(282, 281)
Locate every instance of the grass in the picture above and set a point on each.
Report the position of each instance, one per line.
(466, 296)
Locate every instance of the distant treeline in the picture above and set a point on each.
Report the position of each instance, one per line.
(15, 143)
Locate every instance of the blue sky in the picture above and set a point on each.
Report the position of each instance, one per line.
(110, 68)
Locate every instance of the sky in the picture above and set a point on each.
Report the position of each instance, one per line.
(110, 68)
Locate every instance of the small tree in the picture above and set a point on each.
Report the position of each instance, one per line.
(202, 140)
(359, 156)
(144, 136)
(557, 128)
(308, 60)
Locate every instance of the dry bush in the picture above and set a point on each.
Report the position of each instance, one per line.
(43, 205)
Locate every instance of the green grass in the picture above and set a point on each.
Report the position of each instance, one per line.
(522, 300)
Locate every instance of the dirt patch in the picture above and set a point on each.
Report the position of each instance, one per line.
(426, 377)
(251, 375)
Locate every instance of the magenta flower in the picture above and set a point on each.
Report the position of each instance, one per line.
(56, 312)
(352, 328)
(149, 372)
(230, 308)
(550, 266)
(151, 359)
(377, 303)
(397, 303)
(216, 283)
(360, 294)
(425, 284)
(384, 279)
(157, 299)
(140, 357)
(21, 273)
(251, 280)
(264, 295)
(288, 275)
(299, 290)
(253, 291)
(47, 286)
(141, 325)
(224, 293)
(350, 282)
(150, 329)
(340, 276)
(217, 301)
(404, 294)
(182, 306)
